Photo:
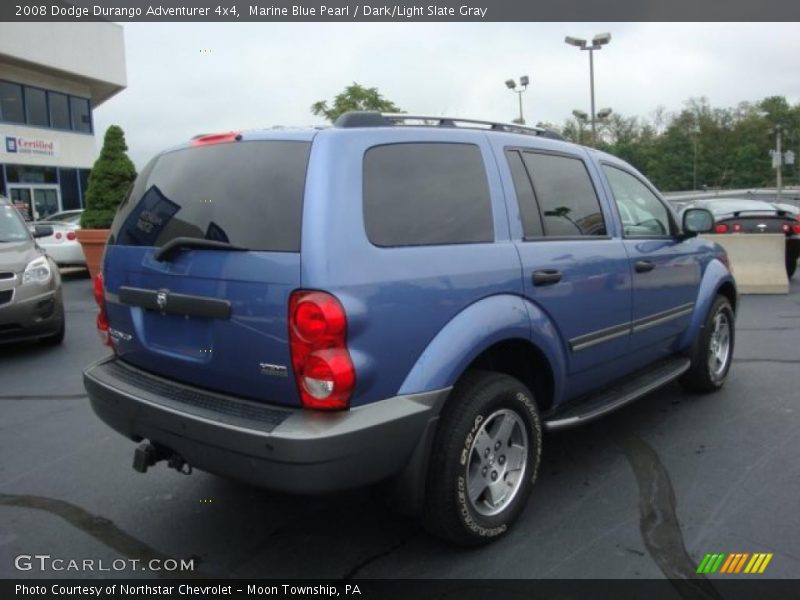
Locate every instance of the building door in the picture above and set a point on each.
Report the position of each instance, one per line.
(35, 202)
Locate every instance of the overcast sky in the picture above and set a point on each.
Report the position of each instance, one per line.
(263, 74)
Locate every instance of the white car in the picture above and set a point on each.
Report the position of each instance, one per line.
(63, 245)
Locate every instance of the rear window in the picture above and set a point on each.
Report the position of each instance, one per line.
(426, 194)
(247, 194)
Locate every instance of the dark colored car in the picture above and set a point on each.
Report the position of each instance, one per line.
(397, 299)
(733, 215)
(31, 306)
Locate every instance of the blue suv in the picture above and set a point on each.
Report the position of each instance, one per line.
(397, 299)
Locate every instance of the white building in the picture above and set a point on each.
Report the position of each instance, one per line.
(52, 76)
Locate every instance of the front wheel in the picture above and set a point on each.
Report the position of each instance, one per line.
(712, 352)
(484, 461)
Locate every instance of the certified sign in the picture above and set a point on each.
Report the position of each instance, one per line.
(31, 146)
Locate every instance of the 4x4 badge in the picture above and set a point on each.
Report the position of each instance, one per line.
(273, 370)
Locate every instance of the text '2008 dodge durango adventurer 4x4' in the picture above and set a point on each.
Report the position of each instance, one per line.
(402, 299)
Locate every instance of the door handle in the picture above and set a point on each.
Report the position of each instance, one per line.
(546, 277)
(643, 266)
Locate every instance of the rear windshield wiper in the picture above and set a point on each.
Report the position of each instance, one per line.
(171, 247)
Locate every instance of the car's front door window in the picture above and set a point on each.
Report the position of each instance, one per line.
(641, 212)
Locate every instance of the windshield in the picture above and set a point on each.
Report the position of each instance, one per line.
(66, 217)
(726, 208)
(12, 227)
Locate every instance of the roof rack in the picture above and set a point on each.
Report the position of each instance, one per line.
(378, 119)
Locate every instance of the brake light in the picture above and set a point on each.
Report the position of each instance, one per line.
(736, 227)
(216, 138)
(102, 315)
(323, 370)
(796, 228)
(57, 235)
(786, 228)
(721, 228)
(71, 235)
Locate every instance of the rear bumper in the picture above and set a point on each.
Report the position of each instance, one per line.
(289, 450)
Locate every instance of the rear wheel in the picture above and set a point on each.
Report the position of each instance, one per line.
(484, 461)
(713, 350)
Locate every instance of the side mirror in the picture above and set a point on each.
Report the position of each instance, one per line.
(40, 231)
(697, 220)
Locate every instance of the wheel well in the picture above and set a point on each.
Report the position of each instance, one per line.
(522, 360)
(727, 290)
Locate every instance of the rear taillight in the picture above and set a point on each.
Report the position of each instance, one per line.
(323, 370)
(57, 235)
(786, 228)
(737, 228)
(721, 228)
(71, 235)
(102, 315)
(796, 228)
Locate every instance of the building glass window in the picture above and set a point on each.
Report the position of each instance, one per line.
(11, 108)
(29, 174)
(70, 193)
(59, 110)
(2, 182)
(81, 118)
(83, 180)
(36, 107)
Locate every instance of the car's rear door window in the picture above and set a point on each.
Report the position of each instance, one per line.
(565, 195)
(426, 194)
(248, 194)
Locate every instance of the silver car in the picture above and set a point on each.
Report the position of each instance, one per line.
(31, 304)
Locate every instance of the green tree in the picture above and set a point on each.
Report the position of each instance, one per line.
(111, 176)
(354, 97)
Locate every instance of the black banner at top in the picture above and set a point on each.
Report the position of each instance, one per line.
(399, 11)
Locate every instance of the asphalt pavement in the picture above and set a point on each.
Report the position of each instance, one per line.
(644, 493)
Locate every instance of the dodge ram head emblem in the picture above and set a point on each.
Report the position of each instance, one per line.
(161, 300)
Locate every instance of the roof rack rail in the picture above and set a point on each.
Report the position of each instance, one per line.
(378, 119)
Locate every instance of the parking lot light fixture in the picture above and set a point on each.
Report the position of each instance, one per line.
(598, 41)
(523, 85)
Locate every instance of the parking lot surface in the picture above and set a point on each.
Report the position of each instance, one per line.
(644, 493)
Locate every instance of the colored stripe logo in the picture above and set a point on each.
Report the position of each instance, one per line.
(737, 562)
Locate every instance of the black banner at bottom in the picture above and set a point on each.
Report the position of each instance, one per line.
(407, 589)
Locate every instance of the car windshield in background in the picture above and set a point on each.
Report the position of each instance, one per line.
(247, 194)
(750, 206)
(12, 227)
(65, 217)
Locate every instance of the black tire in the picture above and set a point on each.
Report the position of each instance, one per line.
(482, 400)
(701, 377)
(791, 264)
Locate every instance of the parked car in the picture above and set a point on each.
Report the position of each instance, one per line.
(31, 305)
(733, 215)
(63, 245)
(397, 299)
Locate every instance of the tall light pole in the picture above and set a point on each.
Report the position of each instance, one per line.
(777, 161)
(598, 41)
(523, 85)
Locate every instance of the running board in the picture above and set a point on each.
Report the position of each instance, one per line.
(618, 395)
